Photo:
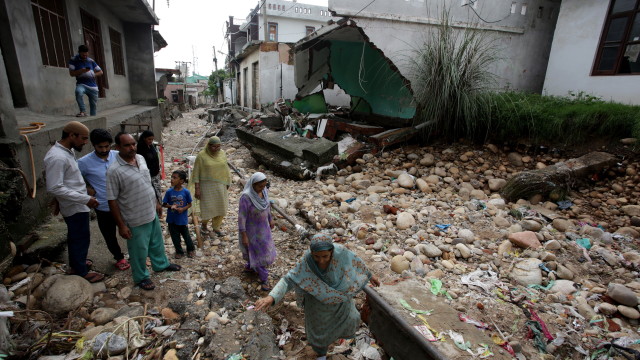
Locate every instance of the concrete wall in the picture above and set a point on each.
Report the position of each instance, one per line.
(292, 21)
(50, 89)
(8, 123)
(246, 63)
(138, 40)
(276, 74)
(398, 28)
(573, 53)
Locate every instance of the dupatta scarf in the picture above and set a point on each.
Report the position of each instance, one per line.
(346, 275)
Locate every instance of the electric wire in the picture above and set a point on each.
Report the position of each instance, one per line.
(471, 2)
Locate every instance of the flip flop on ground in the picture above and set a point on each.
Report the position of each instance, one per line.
(146, 284)
(172, 267)
(122, 264)
(81, 114)
(93, 277)
(265, 286)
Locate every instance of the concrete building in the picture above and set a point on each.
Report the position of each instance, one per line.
(258, 50)
(523, 30)
(37, 38)
(596, 49)
(163, 78)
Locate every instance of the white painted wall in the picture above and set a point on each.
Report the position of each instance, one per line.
(291, 24)
(246, 63)
(573, 54)
(399, 27)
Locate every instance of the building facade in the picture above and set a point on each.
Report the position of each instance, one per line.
(596, 50)
(522, 30)
(37, 39)
(259, 50)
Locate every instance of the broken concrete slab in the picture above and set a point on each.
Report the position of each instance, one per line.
(554, 181)
(294, 157)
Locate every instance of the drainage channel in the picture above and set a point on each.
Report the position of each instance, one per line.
(398, 339)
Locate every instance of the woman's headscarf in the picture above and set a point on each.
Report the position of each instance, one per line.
(346, 275)
(211, 165)
(214, 140)
(260, 203)
(149, 153)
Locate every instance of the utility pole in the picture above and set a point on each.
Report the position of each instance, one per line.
(180, 65)
(265, 23)
(218, 81)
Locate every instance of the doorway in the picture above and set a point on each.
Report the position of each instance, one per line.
(93, 39)
(255, 85)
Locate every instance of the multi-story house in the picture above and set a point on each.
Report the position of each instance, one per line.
(258, 50)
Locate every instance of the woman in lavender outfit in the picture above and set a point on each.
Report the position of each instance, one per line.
(255, 224)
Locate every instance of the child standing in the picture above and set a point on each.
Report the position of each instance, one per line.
(178, 200)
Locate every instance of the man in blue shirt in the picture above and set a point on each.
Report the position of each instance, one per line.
(85, 70)
(93, 168)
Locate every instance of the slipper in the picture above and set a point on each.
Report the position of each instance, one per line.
(93, 277)
(122, 264)
(89, 263)
(265, 286)
(172, 267)
(191, 254)
(219, 233)
(146, 284)
(179, 256)
(81, 114)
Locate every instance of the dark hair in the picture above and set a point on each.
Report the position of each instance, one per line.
(182, 175)
(145, 134)
(98, 136)
(83, 48)
(118, 135)
(65, 135)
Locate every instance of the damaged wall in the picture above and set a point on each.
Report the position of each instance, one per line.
(524, 30)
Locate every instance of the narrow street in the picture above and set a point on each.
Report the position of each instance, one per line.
(479, 273)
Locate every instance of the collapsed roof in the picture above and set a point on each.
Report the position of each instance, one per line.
(342, 54)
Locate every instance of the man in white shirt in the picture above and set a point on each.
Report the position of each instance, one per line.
(66, 184)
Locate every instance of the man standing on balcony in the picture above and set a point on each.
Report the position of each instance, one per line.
(85, 70)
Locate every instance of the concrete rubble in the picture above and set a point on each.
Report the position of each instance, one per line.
(553, 280)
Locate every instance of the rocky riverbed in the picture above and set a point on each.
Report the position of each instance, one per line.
(554, 280)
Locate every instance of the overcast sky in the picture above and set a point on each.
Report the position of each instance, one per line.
(193, 27)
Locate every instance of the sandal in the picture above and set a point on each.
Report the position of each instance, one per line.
(122, 264)
(93, 277)
(265, 286)
(191, 254)
(81, 114)
(219, 233)
(172, 267)
(146, 284)
(89, 263)
(179, 256)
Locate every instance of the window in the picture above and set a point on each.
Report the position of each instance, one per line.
(273, 31)
(296, 9)
(116, 52)
(53, 33)
(310, 30)
(619, 49)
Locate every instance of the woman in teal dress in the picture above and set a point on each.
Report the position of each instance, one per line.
(325, 280)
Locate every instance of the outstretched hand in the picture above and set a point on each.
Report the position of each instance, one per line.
(264, 303)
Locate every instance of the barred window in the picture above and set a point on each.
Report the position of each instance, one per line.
(53, 32)
(116, 51)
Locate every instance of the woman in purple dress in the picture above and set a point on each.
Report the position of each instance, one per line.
(255, 224)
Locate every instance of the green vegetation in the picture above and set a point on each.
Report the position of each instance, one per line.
(566, 120)
(452, 83)
(215, 82)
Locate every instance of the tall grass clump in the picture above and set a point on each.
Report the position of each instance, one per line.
(561, 120)
(452, 81)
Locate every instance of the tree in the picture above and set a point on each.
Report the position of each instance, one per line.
(216, 80)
